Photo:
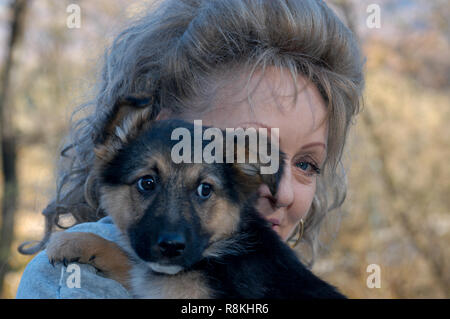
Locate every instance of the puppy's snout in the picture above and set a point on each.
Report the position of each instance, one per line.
(171, 244)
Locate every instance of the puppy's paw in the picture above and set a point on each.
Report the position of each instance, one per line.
(88, 248)
(67, 247)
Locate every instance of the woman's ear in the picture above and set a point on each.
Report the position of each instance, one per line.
(129, 116)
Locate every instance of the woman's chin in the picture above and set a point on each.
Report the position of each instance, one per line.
(278, 230)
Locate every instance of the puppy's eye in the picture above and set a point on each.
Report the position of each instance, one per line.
(146, 183)
(204, 190)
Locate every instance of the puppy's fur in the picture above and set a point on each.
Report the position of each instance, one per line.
(179, 243)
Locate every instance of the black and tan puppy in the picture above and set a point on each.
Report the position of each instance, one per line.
(190, 230)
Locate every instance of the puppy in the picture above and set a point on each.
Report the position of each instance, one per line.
(190, 230)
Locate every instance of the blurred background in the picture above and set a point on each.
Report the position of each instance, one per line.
(397, 211)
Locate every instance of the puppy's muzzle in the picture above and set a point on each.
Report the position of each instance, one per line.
(171, 244)
(161, 246)
(164, 242)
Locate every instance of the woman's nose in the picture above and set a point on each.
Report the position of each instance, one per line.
(285, 194)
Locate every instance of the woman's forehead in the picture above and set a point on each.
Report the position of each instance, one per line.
(272, 104)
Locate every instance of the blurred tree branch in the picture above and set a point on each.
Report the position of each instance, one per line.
(8, 138)
(422, 238)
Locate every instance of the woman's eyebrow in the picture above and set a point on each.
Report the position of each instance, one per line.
(309, 145)
(313, 145)
(257, 123)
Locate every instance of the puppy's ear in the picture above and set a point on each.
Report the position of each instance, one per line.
(262, 165)
(127, 113)
(129, 116)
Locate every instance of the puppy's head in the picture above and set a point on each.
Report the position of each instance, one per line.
(172, 213)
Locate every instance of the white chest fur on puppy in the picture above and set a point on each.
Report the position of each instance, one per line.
(183, 285)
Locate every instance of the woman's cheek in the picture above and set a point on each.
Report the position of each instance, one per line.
(303, 197)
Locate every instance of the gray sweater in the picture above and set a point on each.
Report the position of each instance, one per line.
(41, 280)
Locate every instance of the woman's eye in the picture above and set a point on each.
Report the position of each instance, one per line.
(204, 190)
(308, 167)
(303, 165)
(146, 183)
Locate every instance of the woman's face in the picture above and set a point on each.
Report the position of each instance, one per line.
(302, 137)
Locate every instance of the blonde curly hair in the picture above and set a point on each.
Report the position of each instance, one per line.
(181, 52)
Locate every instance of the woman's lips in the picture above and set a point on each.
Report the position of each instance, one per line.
(275, 223)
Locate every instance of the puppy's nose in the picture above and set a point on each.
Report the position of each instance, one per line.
(171, 244)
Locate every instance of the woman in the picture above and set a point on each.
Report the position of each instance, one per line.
(287, 64)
